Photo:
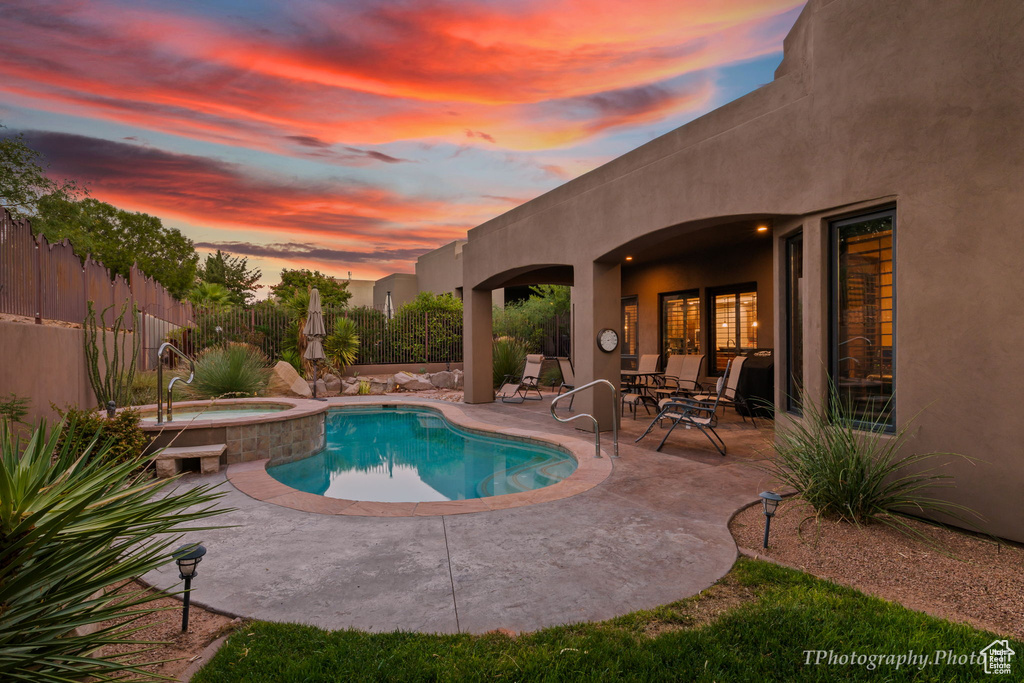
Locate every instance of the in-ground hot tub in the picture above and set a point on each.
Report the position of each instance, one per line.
(250, 428)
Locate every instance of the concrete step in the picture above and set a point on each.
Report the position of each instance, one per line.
(170, 460)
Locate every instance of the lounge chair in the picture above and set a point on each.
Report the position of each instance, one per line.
(729, 396)
(568, 377)
(690, 412)
(517, 391)
(682, 375)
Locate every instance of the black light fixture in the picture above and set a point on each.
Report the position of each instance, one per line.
(771, 501)
(188, 557)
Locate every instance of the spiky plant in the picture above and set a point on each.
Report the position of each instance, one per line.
(509, 355)
(73, 524)
(856, 471)
(113, 381)
(342, 345)
(231, 371)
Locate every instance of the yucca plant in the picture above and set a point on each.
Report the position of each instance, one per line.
(73, 525)
(342, 345)
(231, 371)
(509, 354)
(856, 471)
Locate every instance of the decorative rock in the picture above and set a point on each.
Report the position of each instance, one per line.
(285, 381)
(351, 389)
(443, 379)
(378, 388)
(410, 382)
(321, 388)
(333, 384)
(329, 377)
(458, 378)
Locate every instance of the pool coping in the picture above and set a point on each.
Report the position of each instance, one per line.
(252, 478)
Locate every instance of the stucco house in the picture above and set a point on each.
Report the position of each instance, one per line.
(861, 215)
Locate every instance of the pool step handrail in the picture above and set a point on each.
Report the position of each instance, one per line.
(597, 432)
(170, 385)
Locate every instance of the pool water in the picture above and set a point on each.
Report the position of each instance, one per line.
(207, 414)
(415, 455)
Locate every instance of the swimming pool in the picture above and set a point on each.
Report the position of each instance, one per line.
(406, 454)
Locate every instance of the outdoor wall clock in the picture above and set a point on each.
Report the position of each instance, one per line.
(607, 340)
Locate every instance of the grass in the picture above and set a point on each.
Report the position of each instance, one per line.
(753, 625)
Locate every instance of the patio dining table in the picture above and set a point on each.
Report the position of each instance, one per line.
(641, 384)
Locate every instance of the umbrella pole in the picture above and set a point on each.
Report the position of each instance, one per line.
(316, 365)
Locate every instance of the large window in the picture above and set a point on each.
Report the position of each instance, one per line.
(863, 315)
(628, 343)
(733, 323)
(794, 322)
(680, 323)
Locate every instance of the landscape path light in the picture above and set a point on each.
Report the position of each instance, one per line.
(188, 557)
(771, 501)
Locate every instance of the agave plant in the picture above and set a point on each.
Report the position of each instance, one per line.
(232, 370)
(342, 345)
(73, 524)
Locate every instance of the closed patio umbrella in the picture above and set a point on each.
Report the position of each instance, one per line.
(314, 332)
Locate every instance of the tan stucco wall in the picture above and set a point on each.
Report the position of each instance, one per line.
(914, 103)
(403, 288)
(362, 292)
(47, 365)
(440, 271)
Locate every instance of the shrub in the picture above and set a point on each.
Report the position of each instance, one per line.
(234, 370)
(552, 376)
(854, 471)
(13, 408)
(509, 355)
(73, 523)
(121, 433)
(144, 389)
(342, 345)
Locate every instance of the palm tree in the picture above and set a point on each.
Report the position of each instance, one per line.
(210, 295)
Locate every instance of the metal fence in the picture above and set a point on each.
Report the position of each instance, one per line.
(431, 337)
(552, 338)
(51, 282)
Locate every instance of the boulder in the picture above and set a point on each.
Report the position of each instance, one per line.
(285, 381)
(333, 384)
(410, 382)
(350, 389)
(458, 378)
(378, 388)
(321, 388)
(443, 380)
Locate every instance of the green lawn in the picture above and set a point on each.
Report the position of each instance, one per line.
(754, 625)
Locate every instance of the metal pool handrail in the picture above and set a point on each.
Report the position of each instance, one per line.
(597, 432)
(170, 385)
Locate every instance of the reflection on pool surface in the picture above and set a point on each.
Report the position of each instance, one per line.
(414, 455)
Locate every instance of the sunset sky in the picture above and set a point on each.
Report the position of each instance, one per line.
(353, 136)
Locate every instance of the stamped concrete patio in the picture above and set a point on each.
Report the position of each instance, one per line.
(653, 532)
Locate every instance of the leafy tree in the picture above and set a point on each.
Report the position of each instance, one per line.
(23, 181)
(233, 273)
(211, 295)
(118, 238)
(531, 319)
(332, 292)
(428, 328)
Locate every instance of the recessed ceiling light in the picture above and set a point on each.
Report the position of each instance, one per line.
(762, 228)
(629, 258)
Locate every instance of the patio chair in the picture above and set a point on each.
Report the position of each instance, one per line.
(730, 396)
(568, 377)
(639, 391)
(682, 372)
(517, 391)
(689, 412)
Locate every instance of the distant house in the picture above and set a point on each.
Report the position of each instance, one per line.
(860, 215)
